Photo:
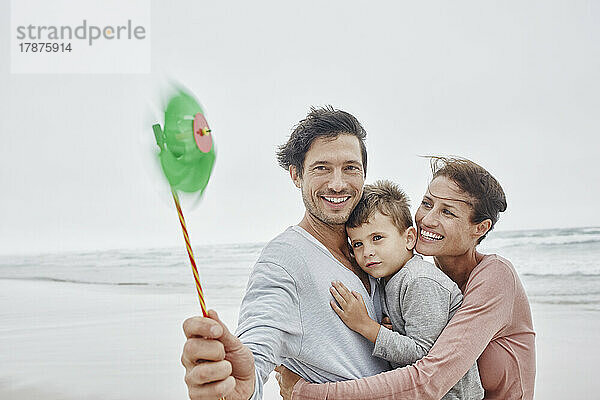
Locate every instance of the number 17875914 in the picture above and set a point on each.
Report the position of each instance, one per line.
(40, 47)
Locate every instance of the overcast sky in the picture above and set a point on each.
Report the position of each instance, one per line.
(512, 85)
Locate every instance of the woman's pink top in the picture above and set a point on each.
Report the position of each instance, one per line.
(493, 327)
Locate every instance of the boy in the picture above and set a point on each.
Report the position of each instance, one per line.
(419, 298)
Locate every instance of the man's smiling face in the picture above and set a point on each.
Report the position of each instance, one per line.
(333, 178)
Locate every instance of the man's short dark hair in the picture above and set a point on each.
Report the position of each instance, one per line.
(325, 122)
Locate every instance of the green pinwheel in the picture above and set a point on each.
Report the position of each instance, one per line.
(187, 156)
(187, 153)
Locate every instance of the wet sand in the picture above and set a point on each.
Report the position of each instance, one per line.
(71, 341)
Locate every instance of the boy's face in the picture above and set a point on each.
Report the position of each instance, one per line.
(379, 248)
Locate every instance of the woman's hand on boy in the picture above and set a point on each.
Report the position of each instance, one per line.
(351, 309)
(387, 323)
(286, 379)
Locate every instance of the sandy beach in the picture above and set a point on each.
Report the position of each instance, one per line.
(68, 341)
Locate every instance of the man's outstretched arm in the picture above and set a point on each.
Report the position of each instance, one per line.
(217, 364)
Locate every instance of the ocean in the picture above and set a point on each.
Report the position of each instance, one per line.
(556, 266)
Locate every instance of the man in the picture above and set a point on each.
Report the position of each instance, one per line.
(285, 317)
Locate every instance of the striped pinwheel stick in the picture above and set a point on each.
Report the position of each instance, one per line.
(191, 256)
(190, 253)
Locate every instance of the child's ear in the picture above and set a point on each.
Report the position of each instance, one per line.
(350, 249)
(411, 238)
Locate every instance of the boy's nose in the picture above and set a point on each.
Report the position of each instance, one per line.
(369, 251)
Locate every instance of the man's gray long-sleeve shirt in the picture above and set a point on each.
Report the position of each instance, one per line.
(286, 318)
(420, 300)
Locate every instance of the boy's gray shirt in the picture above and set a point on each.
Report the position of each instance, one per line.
(285, 316)
(420, 300)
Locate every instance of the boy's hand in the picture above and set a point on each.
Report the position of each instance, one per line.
(352, 311)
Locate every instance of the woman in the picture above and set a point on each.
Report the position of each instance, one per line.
(493, 326)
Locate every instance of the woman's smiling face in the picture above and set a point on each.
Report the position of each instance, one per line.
(443, 220)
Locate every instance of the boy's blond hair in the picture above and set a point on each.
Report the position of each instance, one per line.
(387, 198)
